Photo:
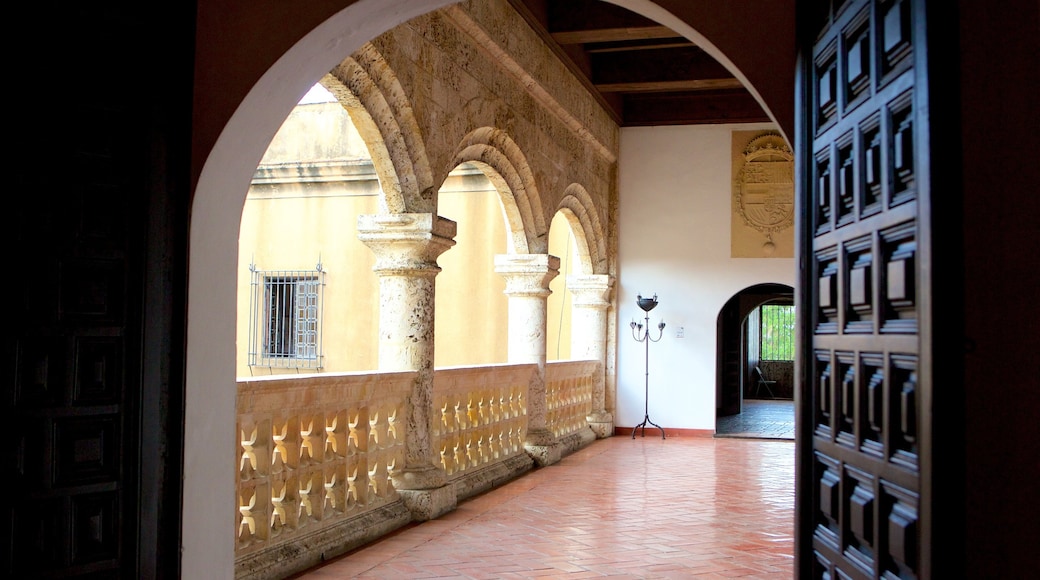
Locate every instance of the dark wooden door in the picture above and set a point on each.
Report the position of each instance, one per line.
(730, 355)
(865, 483)
(96, 201)
(75, 362)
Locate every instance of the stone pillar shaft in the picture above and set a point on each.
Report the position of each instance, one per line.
(527, 286)
(589, 338)
(589, 316)
(406, 248)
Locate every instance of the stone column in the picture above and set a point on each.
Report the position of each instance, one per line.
(527, 285)
(589, 339)
(406, 248)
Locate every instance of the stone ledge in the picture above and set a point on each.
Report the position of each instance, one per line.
(489, 476)
(575, 441)
(309, 550)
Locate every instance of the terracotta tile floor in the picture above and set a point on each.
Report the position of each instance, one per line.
(684, 507)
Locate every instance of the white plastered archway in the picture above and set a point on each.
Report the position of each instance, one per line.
(208, 512)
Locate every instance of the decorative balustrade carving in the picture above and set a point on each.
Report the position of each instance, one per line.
(480, 415)
(315, 450)
(318, 451)
(568, 391)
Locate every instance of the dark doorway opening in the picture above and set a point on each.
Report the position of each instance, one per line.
(754, 390)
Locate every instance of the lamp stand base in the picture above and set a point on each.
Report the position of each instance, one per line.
(646, 421)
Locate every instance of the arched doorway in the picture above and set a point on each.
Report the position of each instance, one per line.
(219, 193)
(736, 377)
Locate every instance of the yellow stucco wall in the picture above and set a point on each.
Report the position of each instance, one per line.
(471, 309)
(558, 332)
(281, 233)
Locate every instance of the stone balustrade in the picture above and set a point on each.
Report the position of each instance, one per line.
(480, 415)
(569, 394)
(569, 391)
(317, 452)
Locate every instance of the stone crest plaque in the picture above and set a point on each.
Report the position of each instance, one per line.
(763, 196)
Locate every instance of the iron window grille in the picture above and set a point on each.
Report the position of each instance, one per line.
(777, 332)
(285, 318)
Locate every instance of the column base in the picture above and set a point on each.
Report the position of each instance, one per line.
(420, 478)
(602, 424)
(428, 504)
(543, 447)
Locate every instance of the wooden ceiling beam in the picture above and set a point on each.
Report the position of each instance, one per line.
(591, 36)
(666, 64)
(641, 73)
(630, 47)
(571, 15)
(670, 86)
(692, 108)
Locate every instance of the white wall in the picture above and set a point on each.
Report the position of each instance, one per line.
(674, 240)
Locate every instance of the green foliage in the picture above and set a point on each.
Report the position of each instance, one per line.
(777, 332)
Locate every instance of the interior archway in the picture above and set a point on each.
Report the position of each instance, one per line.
(732, 373)
(208, 507)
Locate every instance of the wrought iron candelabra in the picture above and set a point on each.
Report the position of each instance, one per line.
(647, 304)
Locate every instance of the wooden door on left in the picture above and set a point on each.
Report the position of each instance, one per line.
(91, 388)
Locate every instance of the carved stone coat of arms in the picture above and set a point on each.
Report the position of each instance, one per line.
(764, 187)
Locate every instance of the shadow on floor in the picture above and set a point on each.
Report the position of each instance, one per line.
(760, 419)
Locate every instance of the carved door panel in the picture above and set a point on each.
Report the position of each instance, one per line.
(82, 180)
(69, 467)
(864, 191)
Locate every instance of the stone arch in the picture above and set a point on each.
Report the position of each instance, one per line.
(234, 125)
(512, 177)
(579, 209)
(370, 91)
(231, 158)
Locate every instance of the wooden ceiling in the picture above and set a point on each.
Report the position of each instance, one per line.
(642, 73)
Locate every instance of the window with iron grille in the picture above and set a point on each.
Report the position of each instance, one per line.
(285, 318)
(777, 332)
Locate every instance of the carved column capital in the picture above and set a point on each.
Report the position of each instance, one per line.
(590, 290)
(406, 243)
(527, 274)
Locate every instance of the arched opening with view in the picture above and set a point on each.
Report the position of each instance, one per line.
(307, 295)
(755, 347)
(471, 306)
(223, 177)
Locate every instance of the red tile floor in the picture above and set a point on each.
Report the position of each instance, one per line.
(683, 507)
